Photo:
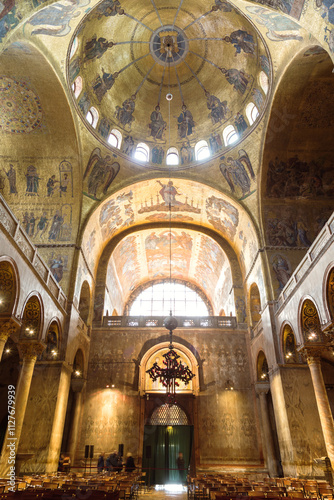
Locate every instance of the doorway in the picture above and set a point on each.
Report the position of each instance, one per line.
(162, 444)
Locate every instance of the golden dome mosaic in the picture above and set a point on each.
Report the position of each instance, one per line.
(169, 77)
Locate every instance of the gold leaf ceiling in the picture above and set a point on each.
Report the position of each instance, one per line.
(206, 54)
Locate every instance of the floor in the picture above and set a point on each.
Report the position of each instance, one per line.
(166, 492)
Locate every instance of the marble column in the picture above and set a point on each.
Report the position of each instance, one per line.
(7, 328)
(324, 409)
(29, 350)
(262, 389)
(77, 385)
(59, 419)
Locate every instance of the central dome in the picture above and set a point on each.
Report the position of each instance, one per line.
(125, 59)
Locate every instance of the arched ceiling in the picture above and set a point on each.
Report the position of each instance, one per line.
(193, 203)
(195, 258)
(208, 55)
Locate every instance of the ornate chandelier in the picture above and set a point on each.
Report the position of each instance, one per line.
(172, 370)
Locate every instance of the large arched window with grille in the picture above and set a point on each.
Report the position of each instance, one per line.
(159, 298)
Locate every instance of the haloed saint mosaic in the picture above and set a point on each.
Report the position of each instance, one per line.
(168, 76)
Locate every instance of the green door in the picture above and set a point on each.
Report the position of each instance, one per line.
(162, 444)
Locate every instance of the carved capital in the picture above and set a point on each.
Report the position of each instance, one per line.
(312, 354)
(262, 388)
(7, 328)
(30, 350)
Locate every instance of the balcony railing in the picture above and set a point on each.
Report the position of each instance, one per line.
(221, 322)
(325, 237)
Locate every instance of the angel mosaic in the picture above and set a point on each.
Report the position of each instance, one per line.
(235, 173)
(54, 20)
(280, 28)
(100, 172)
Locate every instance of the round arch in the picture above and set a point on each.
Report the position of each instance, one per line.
(146, 285)
(254, 304)
(183, 350)
(52, 340)
(236, 272)
(32, 317)
(262, 369)
(294, 177)
(79, 364)
(85, 302)
(288, 344)
(9, 286)
(309, 321)
(328, 292)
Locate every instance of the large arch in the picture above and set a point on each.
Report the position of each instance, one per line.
(296, 196)
(40, 151)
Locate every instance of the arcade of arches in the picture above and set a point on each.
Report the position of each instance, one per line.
(101, 175)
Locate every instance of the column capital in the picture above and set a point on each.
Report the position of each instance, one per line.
(262, 388)
(312, 353)
(30, 349)
(7, 328)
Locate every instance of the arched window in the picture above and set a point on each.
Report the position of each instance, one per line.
(202, 150)
(8, 287)
(230, 135)
(32, 318)
(84, 302)
(172, 157)
(115, 138)
(255, 304)
(92, 116)
(159, 298)
(310, 322)
(74, 47)
(289, 345)
(142, 152)
(330, 292)
(264, 82)
(251, 112)
(77, 86)
(262, 368)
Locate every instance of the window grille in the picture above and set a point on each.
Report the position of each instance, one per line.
(168, 415)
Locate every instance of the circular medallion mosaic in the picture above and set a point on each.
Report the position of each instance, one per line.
(21, 108)
(168, 45)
